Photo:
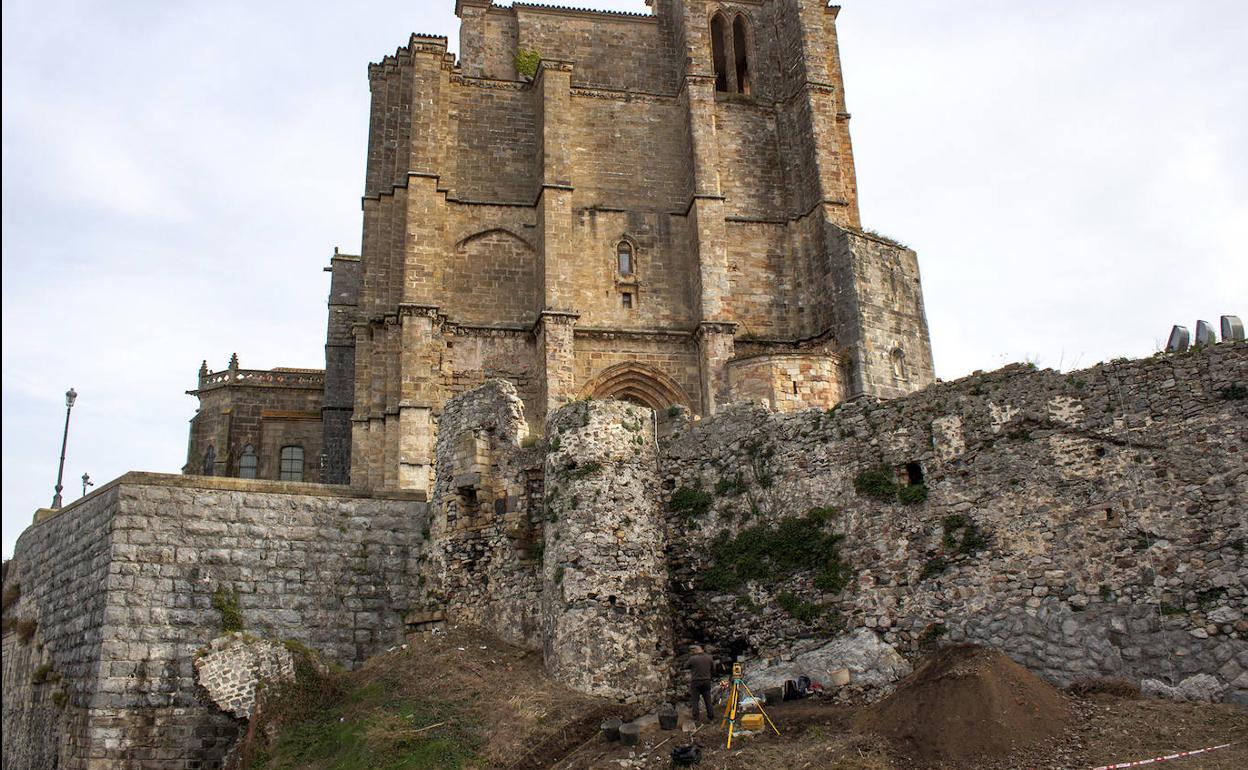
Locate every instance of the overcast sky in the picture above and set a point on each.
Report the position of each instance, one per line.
(1073, 175)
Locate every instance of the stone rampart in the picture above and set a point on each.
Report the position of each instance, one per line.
(1089, 524)
(125, 586)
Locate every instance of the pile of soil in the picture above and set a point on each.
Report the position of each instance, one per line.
(966, 705)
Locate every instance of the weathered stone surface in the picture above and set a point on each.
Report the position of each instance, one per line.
(232, 667)
(872, 663)
(605, 613)
(121, 585)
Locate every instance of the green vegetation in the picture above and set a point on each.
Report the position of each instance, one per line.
(760, 464)
(225, 601)
(690, 502)
(798, 608)
(881, 483)
(972, 539)
(325, 723)
(772, 553)
(527, 60)
(1234, 392)
(878, 482)
(24, 628)
(60, 698)
(574, 472)
(933, 567)
(11, 595)
(535, 551)
(731, 486)
(1170, 609)
(913, 494)
(673, 411)
(44, 674)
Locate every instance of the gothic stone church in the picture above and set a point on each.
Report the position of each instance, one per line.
(654, 207)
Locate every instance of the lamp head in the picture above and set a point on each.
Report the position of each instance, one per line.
(70, 396)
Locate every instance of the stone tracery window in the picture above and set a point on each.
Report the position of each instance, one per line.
(730, 53)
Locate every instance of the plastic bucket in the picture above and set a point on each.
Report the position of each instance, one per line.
(630, 734)
(611, 729)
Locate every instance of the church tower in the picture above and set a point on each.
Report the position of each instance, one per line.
(655, 207)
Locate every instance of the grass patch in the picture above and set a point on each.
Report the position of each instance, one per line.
(225, 601)
(320, 721)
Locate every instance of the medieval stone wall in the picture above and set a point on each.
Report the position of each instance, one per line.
(486, 532)
(605, 616)
(122, 586)
(1089, 524)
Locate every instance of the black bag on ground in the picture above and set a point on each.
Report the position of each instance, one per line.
(687, 755)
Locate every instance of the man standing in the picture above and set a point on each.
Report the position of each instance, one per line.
(701, 666)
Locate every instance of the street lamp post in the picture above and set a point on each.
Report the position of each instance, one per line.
(70, 395)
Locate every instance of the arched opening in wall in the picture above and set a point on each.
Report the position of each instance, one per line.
(740, 45)
(210, 460)
(247, 464)
(625, 264)
(914, 473)
(898, 358)
(639, 384)
(719, 51)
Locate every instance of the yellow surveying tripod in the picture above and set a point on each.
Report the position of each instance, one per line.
(732, 714)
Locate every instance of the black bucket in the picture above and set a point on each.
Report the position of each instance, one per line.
(611, 729)
(630, 734)
(667, 718)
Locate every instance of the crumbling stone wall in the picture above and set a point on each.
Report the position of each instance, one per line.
(129, 583)
(1089, 524)
(486, 532)
(231, 668)
(605, 613)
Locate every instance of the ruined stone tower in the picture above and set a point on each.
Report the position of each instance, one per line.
(662, 208)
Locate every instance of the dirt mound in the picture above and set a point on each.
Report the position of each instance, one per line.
(967, 705)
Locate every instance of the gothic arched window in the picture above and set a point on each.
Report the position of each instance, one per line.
(719, 51)
(247, 463)
(740, 44)
(624, 262)
(210, 460)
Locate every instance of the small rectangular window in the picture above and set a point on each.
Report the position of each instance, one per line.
(627, 299)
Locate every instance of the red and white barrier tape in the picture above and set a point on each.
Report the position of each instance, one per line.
(1180, 755)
